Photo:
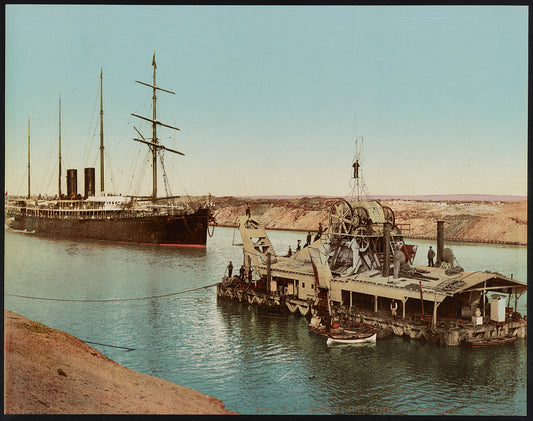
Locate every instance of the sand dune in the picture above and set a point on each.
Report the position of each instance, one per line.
(47, 371)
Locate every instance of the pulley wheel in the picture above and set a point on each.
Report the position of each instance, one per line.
(340, 217)
(389, 215)
(363, 215)
(356, 221)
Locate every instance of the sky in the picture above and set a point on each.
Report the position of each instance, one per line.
(270, 100)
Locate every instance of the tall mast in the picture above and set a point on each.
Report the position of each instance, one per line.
(28, 157)
(154, 136)
(101, 136)
(59, 178)
(154, 142)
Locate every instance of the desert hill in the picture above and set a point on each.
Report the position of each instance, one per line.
(47, 371)
(474, 220)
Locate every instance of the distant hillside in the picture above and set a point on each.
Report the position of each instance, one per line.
(481, 220)
(426, 197)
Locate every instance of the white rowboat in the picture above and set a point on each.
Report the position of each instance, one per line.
(345, 340)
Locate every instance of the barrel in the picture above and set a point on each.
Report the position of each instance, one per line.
(72, 183)
(89, 182)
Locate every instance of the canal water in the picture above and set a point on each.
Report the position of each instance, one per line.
(255, 362)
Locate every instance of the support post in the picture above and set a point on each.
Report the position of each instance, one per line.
(386, 251)
(403, 307)
(375, 303)
(435, 306)
(269, 274)
(484, 298)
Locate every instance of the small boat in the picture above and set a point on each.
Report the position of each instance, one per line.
(347, 339)
(485, 342)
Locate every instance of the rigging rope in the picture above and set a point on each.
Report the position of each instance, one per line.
(103, 300)
(165, 178)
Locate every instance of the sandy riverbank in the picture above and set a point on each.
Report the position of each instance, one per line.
(478, 221)
(47, 371)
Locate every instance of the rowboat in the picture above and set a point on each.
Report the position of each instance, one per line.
(485, 342)
(348, 339)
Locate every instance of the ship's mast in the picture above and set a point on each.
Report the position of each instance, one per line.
(28, 157)
(101, 137)
(59, 178)
(154, 144)
(154, 134)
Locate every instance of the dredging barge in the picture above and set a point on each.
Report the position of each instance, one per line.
(360, 271)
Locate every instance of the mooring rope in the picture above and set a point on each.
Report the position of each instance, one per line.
(111, 346)
(104, 300)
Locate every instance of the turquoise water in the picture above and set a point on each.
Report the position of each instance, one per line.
(256, 362)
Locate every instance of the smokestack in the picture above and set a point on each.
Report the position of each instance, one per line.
(89, 182)
(386, 252)
(72, 183)
(440, 241)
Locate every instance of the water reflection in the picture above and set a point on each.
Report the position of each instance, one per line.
(251, 360)
(396, 373)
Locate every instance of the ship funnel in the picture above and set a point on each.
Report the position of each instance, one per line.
(72, 183)
(89, 182)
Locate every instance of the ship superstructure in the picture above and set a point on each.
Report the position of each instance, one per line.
(165, 221)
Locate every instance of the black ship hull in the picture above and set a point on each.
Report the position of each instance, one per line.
(187, 230)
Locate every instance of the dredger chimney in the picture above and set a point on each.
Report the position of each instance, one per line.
(440, 241)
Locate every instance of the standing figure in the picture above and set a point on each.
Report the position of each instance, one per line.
(230, 269)
(355, 169)
(241, 273)
(393, 308)
(431, 255)
(248, 210)
(299, 247)
(319, 233)
(308, 240)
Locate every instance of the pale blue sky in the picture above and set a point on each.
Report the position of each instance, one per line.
(270, 99)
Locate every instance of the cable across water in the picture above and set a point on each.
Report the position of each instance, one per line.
(104, 300)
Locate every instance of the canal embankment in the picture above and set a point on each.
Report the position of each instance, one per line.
(490, 222)
(47, 371)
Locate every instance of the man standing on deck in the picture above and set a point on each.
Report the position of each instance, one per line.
(308, 241)
(431, 255)
(393, 309)
(241, 272)
(230, 269)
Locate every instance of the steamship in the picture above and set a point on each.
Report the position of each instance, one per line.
(149, 220)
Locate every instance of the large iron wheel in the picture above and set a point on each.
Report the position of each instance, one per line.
(340, 217)
(389, 215)
(363, 215)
